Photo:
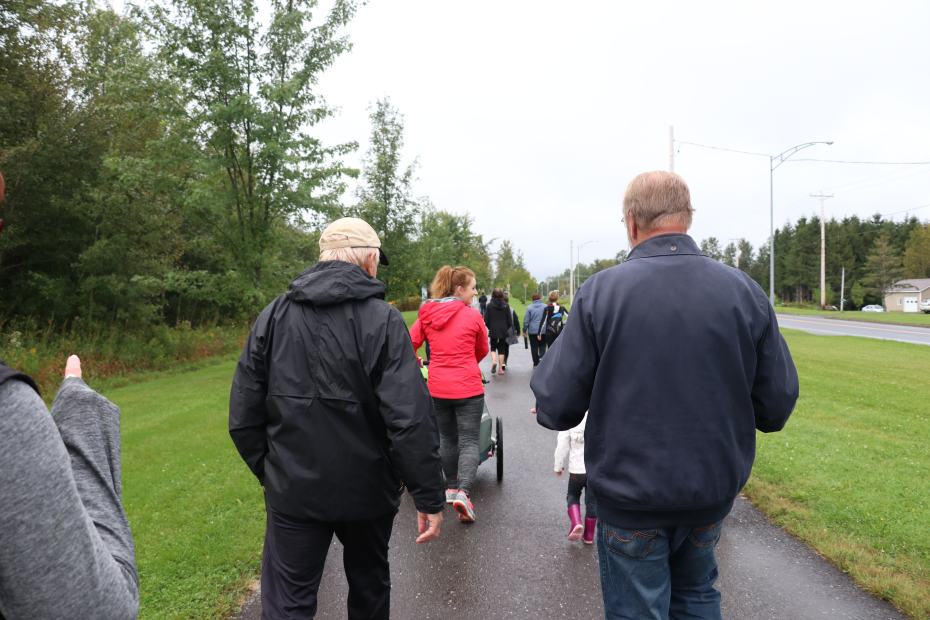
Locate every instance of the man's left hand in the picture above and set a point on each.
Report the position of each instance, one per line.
(434, 522)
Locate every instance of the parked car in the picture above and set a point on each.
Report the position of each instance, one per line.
(872, 308)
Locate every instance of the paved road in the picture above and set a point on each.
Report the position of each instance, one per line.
(841, 327)
(515, 561)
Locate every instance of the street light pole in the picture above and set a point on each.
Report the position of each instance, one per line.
(772, 165)
(578, 264)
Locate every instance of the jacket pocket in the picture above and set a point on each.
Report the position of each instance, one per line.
(633, 544)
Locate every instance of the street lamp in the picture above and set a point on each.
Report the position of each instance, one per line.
(578, 263)
(772, 165)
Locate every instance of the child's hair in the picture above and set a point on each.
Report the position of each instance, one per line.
(448, 279)
(506, 298)
(553, 296)
(497, 294)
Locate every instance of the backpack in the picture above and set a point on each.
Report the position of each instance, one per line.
(554, 323)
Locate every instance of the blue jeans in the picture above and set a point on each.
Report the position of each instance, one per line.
(666, 573)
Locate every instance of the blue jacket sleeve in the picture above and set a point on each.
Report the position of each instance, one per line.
(775, 389)
(564, 379)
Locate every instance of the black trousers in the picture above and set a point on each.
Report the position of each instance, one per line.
(576, 484)
(537, 348)
(294, 556)
(550, 339)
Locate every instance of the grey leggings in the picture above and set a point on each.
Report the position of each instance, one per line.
(459, 423)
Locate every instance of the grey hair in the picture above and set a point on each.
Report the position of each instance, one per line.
(657, 200)
(356, 256)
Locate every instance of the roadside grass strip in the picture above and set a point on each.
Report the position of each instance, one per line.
(889, 318)
(197, 513)
(850, 474)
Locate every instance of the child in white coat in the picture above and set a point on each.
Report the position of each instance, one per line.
(570, 446)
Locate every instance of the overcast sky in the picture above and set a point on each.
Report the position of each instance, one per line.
(533, 116)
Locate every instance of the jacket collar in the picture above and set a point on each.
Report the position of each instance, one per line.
(669, 244)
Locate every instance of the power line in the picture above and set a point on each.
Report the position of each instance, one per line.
(833, 161)
(880, 163)
(719, 148)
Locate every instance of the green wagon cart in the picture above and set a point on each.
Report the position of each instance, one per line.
(488, 445)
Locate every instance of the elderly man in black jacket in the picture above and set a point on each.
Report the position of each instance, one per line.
(679, 359)
(331, 413)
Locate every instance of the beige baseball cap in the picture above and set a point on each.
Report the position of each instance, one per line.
(358, 233)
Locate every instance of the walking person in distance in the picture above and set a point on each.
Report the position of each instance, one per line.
(677, 385)
(499, 320)
(458, 341)
(329, 410)
(483, 302)
(514, 337)
(552, 320)
(531, 320)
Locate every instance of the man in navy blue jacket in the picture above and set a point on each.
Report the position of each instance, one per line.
(679, 359)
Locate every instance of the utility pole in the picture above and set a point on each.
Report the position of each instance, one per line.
(823, 250)
(671, 149)
(571, 270)
(842, 288)
(737, 249)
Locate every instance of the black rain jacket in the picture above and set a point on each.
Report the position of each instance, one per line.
(328, 406)
(679, 359)
(498, 318)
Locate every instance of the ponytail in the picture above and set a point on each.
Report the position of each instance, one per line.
(448, 279)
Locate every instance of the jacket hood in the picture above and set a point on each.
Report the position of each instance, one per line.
(334, 282)
(497, 302)
(437, 312)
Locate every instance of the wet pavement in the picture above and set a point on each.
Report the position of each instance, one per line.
(515, 560)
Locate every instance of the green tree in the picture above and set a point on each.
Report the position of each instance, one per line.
(917, 253)
(884, 267)
(250, 100)
(386, 201)
(729, 255)
(711, 247)
(448, 239)
(857, 294)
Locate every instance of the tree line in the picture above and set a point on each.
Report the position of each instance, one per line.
(875, 253)
(161, 164)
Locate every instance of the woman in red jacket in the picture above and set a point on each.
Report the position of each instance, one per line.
(457, 342)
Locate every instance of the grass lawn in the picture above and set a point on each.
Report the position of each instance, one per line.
(850, 474)
(894, 318)
(196, 512)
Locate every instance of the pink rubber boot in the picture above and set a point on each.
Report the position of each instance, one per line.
(589, 525)
(574, 513)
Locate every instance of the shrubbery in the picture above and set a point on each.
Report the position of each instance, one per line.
(40, 350)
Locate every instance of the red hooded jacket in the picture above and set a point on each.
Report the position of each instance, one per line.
(457, 342)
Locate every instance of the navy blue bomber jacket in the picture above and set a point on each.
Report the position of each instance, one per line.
(680, 360)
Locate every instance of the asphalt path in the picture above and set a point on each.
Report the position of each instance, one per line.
(516, 562)
(841, 327)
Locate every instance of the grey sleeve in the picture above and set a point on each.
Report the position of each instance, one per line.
(66, 549)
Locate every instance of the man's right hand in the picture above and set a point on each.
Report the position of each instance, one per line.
(539, 337)
(432, 532)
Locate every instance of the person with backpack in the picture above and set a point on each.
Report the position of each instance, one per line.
(551, 323)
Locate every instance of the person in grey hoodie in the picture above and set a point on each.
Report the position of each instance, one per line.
(531, 319)
(66, 549)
